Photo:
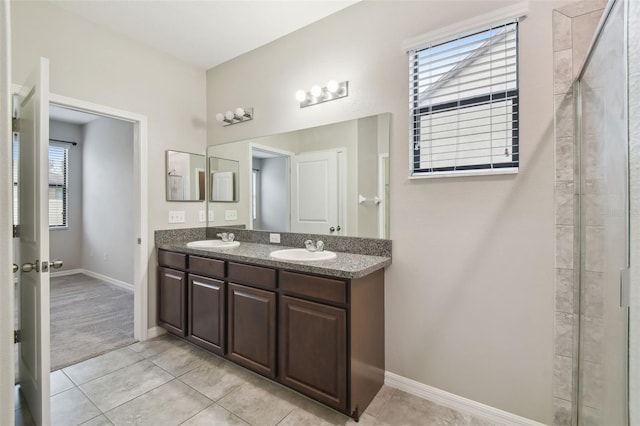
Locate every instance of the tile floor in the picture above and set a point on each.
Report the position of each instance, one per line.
(166, 381)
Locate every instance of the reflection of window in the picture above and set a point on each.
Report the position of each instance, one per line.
(464, 103)
(58, 186)
(254, 194)
(16, 153)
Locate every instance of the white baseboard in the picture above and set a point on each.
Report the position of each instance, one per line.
(67, 272)
(456, 402)
(110, 280)
(155, 332)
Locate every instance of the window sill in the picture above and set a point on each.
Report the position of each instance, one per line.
(467, 173)
(58, 228)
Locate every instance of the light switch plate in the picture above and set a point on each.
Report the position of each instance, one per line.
(176, 216)
(211, 216)
(274, 238)
(230, 214)
(202, 216)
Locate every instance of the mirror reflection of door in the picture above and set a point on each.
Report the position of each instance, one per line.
(316, 193)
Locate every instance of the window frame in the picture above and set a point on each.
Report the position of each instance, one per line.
(416, 113)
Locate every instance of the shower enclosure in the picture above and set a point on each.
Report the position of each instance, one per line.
(607, 178)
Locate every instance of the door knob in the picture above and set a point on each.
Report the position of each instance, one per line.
(56, 264)
(332, 229)
(15, 268)
(28, 267)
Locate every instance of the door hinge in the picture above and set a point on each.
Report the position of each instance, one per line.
(624, 288)
(139, 240)
(16, 231)
(17, 336)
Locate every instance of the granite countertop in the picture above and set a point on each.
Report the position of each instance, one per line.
(345, 265)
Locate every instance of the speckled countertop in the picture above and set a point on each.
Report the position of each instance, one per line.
(345, 265)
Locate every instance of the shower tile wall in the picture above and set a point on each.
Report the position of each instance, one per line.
(573, 29)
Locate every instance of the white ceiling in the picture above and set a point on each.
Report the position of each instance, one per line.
(204, 32)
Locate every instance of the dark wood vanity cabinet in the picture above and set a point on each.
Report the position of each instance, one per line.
(331, 335)
(313, 350)
(171, 301)
(251, 323)
(207, 307)
(172, 292)
(320, 335)
(207, 303)
(252, 328)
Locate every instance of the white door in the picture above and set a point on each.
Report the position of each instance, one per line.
(314, 193)
(33, 128)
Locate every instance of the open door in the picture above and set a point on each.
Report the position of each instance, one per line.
(314, 193)
(33, 133)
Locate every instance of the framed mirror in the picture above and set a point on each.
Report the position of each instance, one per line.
(223, 180)
(331, 179)
(185, 174)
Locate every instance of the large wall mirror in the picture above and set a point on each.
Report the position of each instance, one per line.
(331, 179)
(185, 176)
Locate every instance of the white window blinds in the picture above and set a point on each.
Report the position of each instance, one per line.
(58, 185)
(16, 153)
(464, 103)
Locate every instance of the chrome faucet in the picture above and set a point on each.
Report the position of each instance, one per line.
(227, 237)
(311, 246)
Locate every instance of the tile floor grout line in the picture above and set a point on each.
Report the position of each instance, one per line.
(136, 397)
(205, 408)
(95, 404)
(287, 415)
(104, 375)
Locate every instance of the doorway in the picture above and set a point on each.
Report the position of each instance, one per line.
(137, 234)
(90, 228)
(269, 175)
(139, 209)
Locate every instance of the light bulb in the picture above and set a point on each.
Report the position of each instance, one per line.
(229, 115)
(220, 117)
(240, 112)
(301, 95)
(316, 91)
(332, 86)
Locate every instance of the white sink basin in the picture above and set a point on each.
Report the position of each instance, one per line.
(213, 244)
(302, 255)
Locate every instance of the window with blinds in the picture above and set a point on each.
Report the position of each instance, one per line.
(16, 153)
(464, 103)
(58, 186)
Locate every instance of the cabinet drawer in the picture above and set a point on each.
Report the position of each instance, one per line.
(316, 287)
(172, 259)
(252, 275)
(206, 267)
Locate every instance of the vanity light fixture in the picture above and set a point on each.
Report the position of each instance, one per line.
(239, 116)
(318, 95)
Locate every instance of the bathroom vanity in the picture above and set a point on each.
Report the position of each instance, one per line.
(316, 327)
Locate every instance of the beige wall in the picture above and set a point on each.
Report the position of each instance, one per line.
(97, 65)
(470, 294)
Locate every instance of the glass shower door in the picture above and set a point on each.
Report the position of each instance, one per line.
(604, 229)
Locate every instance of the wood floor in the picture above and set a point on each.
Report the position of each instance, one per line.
(88, 317)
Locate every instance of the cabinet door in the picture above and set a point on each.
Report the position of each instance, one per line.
(171, 300)
(313, 350)
(206, 313)
(252, 328)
